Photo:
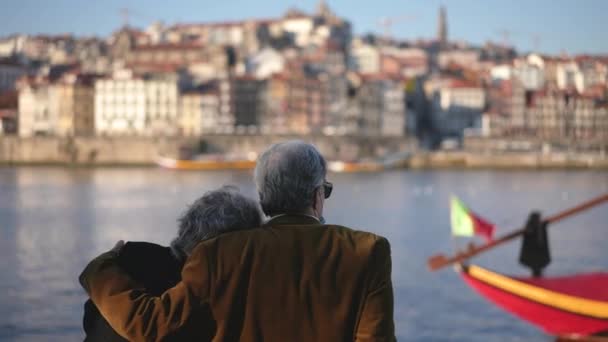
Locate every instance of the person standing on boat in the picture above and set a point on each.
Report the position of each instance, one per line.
(157, 268)
(293, 279)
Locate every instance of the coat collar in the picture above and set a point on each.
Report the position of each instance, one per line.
(292, 219)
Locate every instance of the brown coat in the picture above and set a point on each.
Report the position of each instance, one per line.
(292, 279)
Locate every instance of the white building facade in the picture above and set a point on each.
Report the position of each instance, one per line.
(531, 77)
(393, 113)
(207, 110)
(568, 75)
(382, 108)
(199, 113)
(456, 108)
(38, 110)
(265, 63)
(140, 106)
(300, 26)
(365, 58)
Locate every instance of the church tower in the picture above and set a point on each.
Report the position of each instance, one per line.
(442, 28)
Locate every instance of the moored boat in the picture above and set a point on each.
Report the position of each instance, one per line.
(572, 308)
(205, 164)
(575, 305)
(342, 166)
(389, 162)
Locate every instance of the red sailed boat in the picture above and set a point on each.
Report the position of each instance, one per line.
(562, 306)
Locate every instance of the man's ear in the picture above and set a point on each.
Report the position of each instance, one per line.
(314, 198)
(317, 199)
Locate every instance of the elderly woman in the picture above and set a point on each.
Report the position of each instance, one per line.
(157, 268)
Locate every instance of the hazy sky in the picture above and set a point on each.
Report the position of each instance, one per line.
(563, 25)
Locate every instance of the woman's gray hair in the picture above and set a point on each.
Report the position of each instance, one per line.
(287, 175)
(218, 211)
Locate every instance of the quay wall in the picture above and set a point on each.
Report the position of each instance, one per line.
(126, 151)
(505, 161)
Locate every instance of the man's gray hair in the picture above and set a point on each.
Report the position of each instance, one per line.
(287, 175)
(218, 211)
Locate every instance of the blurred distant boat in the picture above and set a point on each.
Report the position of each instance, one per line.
(247, 162)
(392, 162)
(572, 306)
(207, 162)
(342, 166)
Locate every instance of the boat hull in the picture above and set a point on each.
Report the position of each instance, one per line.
(568, 311)
(348, 167)
(180, 164)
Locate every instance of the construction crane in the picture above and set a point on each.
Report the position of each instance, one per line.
(506, 36)
(127, 13)
(124, 13)
(387, 24)
(536, 40)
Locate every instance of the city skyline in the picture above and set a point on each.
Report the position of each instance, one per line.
(565, 27)
(299, 73)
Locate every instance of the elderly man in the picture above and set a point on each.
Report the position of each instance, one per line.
(293, 279)
(158, 268)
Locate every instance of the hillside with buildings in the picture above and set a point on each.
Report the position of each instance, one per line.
(300, 74)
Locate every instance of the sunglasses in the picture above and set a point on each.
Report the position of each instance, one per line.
(327, 188)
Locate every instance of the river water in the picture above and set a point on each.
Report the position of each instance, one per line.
(54, 220)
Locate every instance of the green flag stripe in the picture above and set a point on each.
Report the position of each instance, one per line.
(462, 224)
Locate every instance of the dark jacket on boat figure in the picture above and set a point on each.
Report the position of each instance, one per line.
(156, 269)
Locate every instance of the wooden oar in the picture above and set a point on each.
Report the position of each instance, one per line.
(439, 261)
